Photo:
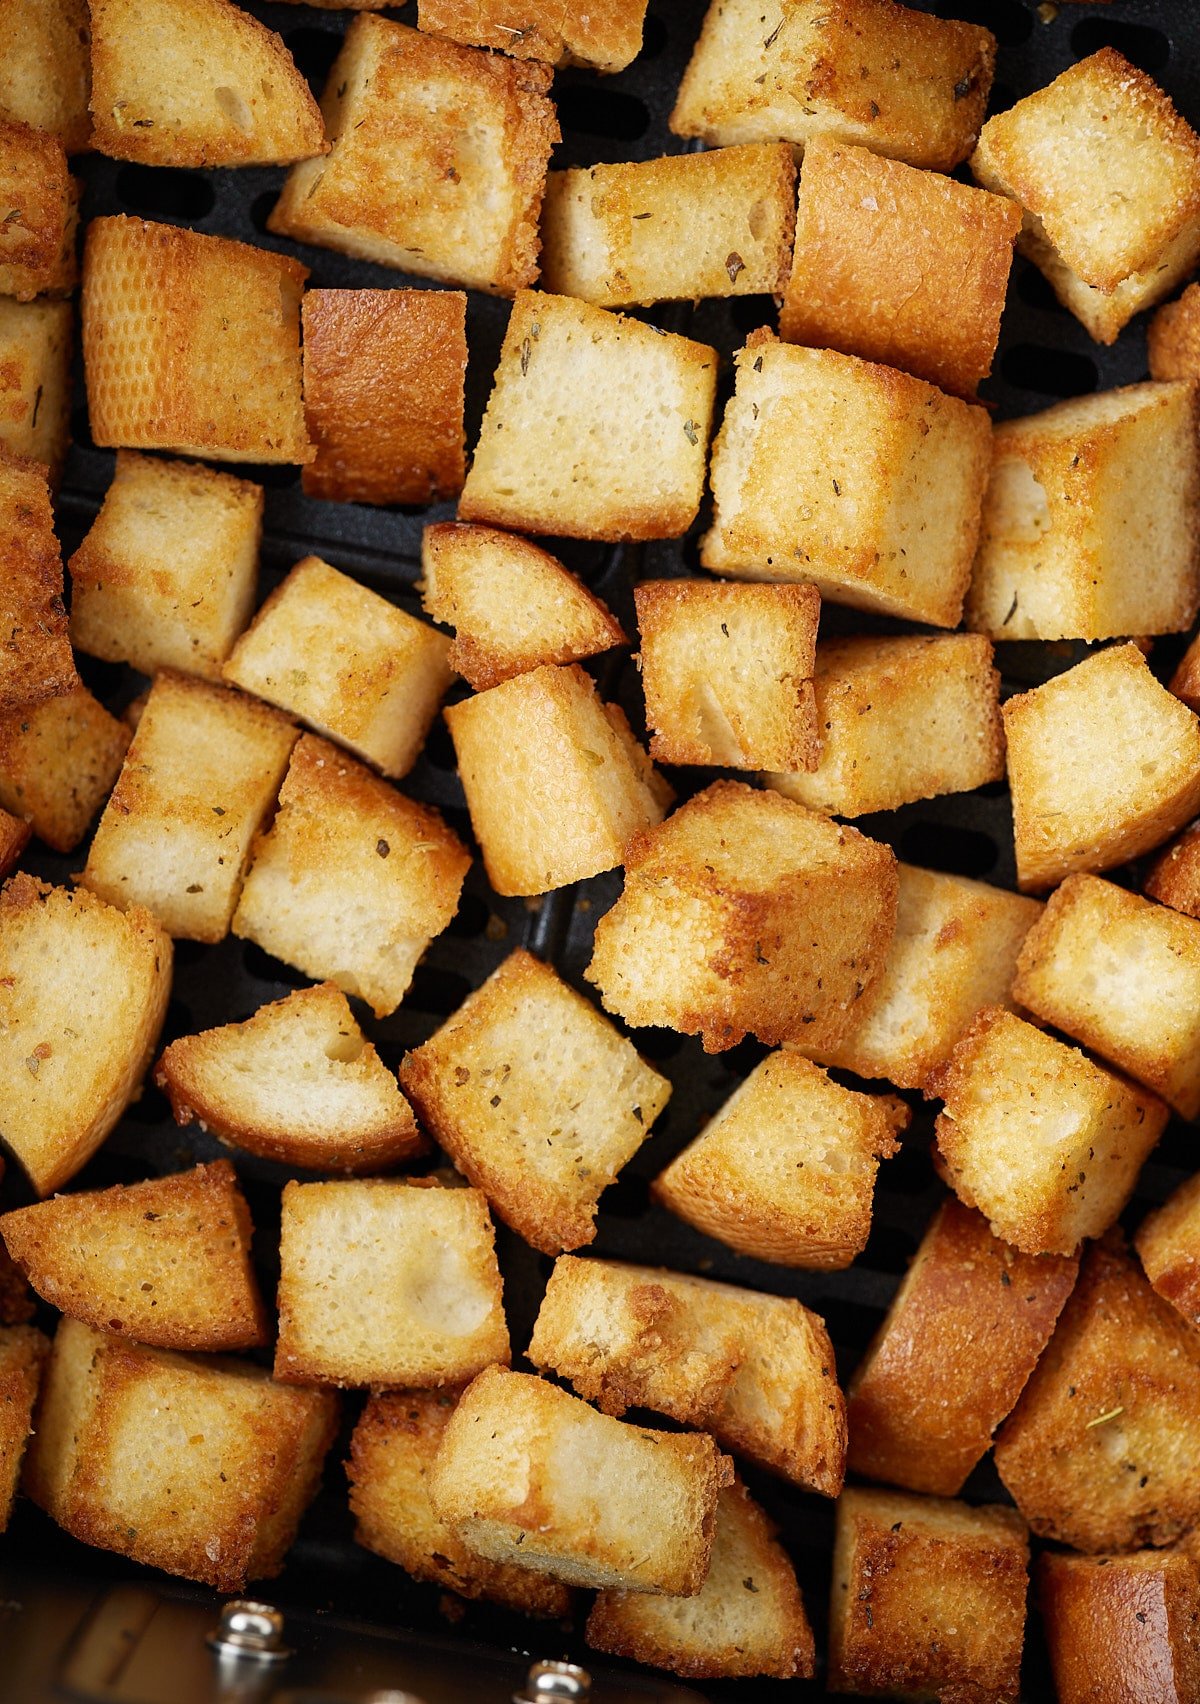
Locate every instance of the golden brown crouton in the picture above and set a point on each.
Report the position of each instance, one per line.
(885, 518)
(1174, 876)
(537, 1098)
(1173, 338)
(23, 1353)
(1122, 1629)
(191, 343)
(35, 380)
(607, 36)
(58, 762)
(14, 838)
(37, 227)
(45, 68)
(83, 992)
(35, 653)
(1168, 1244)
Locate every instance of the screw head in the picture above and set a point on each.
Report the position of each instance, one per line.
(249, 1629)
(555, 1683)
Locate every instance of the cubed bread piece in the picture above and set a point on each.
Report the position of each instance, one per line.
(928, 1599)
(1122, 1629)
(537, 1098)
(597, 426)
(727, 672)
(1045, 1143)
(35, 653)
(166, 576)
(1090, 523)
(785, 1170)
(747, 1618)
(606, 37)
(898, 81)
(961, 1337)
(35, 380)
(191, 343)
(346, 661)
(1174, 876)
(512, 605)
(1173, 338)
(897, 265)
(885, 518)
(37, 231)
(58, 762)
(23, 1354)
(438, 160)
(671, 230)
(556, 784)
(898, 720)
(1103, 763)
(526, 1473)
(14, 838)
(196, 1465)
(391, 1457)
(83, 993)
(745, 914)
(200, 776)
(1168, 1243)
(1185, 682)
(45, 67)
(352, 880)
(1108, 174)
(166, 1261)
(1099, 1452)
(298, 1082)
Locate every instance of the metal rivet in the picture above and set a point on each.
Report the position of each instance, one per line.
(549, 1682)
(250, 1630)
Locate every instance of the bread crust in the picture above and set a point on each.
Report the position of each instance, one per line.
(1121, 1629)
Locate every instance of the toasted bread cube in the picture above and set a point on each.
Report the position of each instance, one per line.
(347, 662)
(438, 160)
(23, 1354)
(166, 1261)
(1045, 1143)
(58, 762)
(391, 1457)
(785, 1171)
(37, 232)
(526, 1473)
(537, 1098)
(1108, 174)
(1081, 799)
(35, 380)
(1121, 1629)
(597, 426)
(556, 784)
(45, 67)
(900, 266)
(745, 914)
(298, 1082)
(885, 518)
(83, 993)
(35, 653)
(14, 838)
(606, 37)
(199, 1466)
(512, 605)
(1185, 682)
(898, 720)
(199, 778)
(1173, 338)
(747, 1618)
(1174, 877)
(671, 230)
(352, 880)
(959, 1341)
(928, 1599)
(1168, 1244)
(1090, 521)
(191, 343)
(897, 81)
(727, 672)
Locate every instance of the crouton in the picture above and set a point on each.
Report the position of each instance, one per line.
(785, 1170)
(885, 519)
(384, 372)
(45, 67)
(1168, 1244)
(928, 1599)
(556, 784)
(166, 1261)
(391, 1457)
(537, 1098)
(727, 672)
(23, 1354)
(527, 1473)
(438, 160)
(352, 880)
(200, 776)
(1099, 1452)
(1082, 799)
(1090, 520)
(899, 266)
(58, 762)
(606, 37)
(37, 231)
(1185, 682)
(1108, 175)
(597, 426)
(960, 1339)
(1173, 338)
(747, 1618)
(745, 914)
(899, 82)
(298, 1082)
(35, 380)
(1174, 876)
(1045, 1143)
(671, 230)
(14, 838)
(512, 605)
(347, 662)
(35, 653)
(199, 1466)
(191, 343)
(898, 720)
(83, 993)
(1121, 1629)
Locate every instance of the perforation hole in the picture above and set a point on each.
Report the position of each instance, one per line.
(594, 110)
(1049, 372)
(165, 192)
(1142, 45)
